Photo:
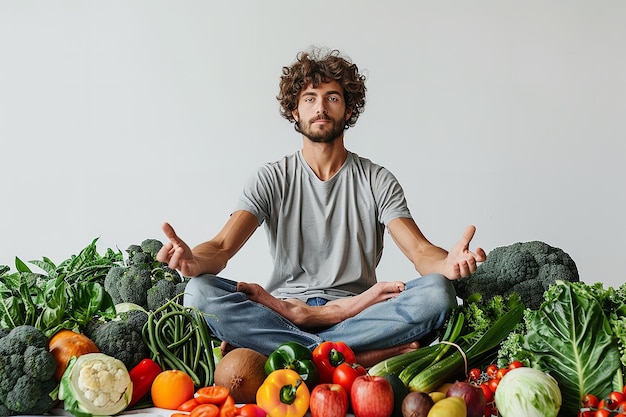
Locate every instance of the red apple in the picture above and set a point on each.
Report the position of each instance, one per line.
(371, 396)
(474, 397)
(328, 400)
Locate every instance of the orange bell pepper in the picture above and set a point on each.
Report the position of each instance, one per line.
(283, 394)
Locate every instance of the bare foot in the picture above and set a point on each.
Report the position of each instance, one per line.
(372, 357)
(335, 311)
(226, 347)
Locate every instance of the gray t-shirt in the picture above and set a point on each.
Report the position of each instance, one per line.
(326, 237)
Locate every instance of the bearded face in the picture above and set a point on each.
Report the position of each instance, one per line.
(322, 128)
(321, 114)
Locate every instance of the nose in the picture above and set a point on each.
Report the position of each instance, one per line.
(321, 107)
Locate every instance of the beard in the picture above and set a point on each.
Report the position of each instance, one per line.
(327, 135)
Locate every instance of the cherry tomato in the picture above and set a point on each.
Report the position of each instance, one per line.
(515, 364)
(493, 384)
(501, 372)
(491, 370)
(621, 407)
(616, 396)
(607, 404)
(474, 374)
(590, 401)
(487, 391)
(602, 413)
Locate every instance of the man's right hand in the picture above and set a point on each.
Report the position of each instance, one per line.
(177, 254)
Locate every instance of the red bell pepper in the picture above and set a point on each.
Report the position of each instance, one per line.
(328, 355)
(142, 376)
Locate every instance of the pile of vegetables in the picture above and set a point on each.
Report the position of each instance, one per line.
(122, 307)
(472, 336)
(96, 330)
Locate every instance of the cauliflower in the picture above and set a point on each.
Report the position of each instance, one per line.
(95, 384)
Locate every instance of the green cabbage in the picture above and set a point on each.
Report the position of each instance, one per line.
(528, 392)
(95, 384)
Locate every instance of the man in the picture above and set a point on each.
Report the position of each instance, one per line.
(325, 210)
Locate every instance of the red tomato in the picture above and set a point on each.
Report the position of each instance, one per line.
(493, 384)
(590, 401)
(616, 396)
(491, 370)
(501, 372)
(608, 403)
(487, 391)
(474, 374)
(515, 364)
(251, 410)
(228, 407)
(346, 373)
(213, 394)
(602, 413)
(205, 410)
(188, 405)
(621, 407)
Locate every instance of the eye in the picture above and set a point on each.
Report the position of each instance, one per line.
(333, 98)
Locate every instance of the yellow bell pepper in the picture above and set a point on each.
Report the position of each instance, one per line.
(283, 394)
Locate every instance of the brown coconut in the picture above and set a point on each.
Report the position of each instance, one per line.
(242, 371)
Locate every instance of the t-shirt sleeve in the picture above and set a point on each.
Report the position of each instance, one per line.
(257, 195)
(389, 196)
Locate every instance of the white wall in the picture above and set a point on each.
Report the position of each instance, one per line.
(118, 115)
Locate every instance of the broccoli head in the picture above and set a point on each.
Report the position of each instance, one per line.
(525, 268)
(121, 337)
(27, 382)
(151, 246)
(139, 280)
(160, 293)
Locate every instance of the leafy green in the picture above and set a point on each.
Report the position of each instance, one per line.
(67, 295)
(571, 336)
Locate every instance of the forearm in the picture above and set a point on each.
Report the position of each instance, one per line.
(333, 312)
(211, 260)
(429, 260)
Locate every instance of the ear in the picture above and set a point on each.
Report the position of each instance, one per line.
(348, 114)
(295, 115)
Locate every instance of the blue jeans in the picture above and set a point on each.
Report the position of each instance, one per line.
(413, 315)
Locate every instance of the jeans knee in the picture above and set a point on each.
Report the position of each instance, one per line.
(199, 290)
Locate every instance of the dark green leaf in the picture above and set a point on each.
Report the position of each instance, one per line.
(570, 338)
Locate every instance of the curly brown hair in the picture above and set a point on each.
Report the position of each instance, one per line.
(317, 66)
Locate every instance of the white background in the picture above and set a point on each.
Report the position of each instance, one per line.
(118, 115)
